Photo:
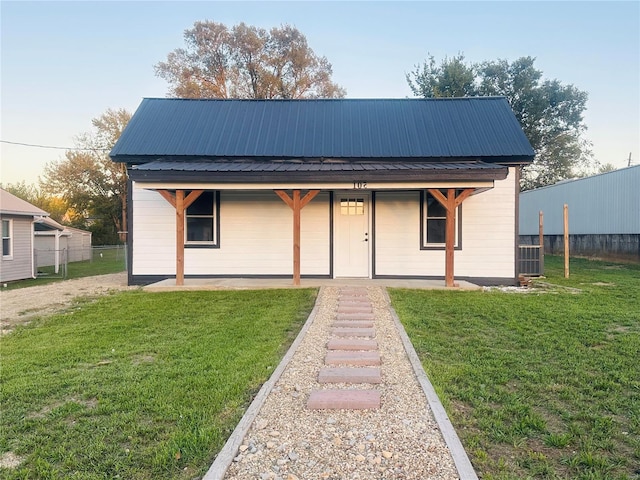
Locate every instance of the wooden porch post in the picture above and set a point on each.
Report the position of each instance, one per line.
(180, 203)
(296, 204)
(450, 203)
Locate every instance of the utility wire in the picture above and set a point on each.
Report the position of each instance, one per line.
(56, 148)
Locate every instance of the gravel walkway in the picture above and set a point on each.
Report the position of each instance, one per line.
(288, 441)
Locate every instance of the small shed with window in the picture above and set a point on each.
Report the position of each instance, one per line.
(347, 188)
(17, 216)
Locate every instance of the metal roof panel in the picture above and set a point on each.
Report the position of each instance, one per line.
(252, 171)
(473, 127)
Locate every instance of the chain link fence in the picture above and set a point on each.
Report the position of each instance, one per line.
(51, 263)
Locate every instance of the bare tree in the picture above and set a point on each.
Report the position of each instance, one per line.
(247, 62)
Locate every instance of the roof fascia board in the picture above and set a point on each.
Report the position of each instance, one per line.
(485, 184)
(404, 176)
(133, 160)
(16, 213)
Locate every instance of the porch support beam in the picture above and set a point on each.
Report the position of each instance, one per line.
(180, 203)
(296, 204)
(450, 203)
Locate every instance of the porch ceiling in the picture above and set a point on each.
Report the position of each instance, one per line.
(216, 171)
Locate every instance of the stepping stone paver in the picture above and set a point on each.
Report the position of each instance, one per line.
(354, 292)
(340, 357)
(362, 309)
(353, 332)
(353, 324)
(349, 375)
(352, 357)
(352, 302)
(347, 399)
(351, 344)
(355, 316)
(355, 298)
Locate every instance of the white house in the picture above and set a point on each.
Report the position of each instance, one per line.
(323, 188)
(17, 216)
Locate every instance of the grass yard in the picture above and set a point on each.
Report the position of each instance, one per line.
(139, 385)
(538, 385)
(108, 260)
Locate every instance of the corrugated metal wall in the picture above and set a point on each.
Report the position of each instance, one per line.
(608, 203)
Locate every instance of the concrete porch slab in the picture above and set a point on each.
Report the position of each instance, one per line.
(351, 286)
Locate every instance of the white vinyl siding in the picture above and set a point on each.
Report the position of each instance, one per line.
(487, 237)
(256, 236)
(20, 264)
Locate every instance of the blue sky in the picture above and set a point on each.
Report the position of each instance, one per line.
(64, 63)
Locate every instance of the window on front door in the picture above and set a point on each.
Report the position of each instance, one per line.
(434, 221)
(352, 206)
(202, 221)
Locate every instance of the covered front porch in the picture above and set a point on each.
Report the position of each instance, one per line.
(352, 239)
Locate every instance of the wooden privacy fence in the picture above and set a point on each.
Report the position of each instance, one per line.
(531, 260)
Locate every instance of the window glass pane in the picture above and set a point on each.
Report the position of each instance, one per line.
(434, 208)
(5, 228)
(6, 246)
(199, 229)
(203, 205)
(436, 231)
(352, 206)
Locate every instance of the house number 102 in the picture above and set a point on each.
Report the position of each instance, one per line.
(359, 185)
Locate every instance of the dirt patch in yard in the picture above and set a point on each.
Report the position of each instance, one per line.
(19, 306)
(10, 460)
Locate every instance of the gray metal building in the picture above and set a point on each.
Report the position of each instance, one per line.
(604, 214)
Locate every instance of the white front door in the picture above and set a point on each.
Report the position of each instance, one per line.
(351, 247)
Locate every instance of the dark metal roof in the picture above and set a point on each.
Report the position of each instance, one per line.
(390, 129)
(247, 171)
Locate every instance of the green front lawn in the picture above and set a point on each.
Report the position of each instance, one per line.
(544, 384)
(104, 261)
(139, 385)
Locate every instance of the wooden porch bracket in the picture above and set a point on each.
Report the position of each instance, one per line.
(180, 203)
(296, 204)
(450, 203)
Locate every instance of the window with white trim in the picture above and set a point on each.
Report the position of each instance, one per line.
(434, 223)
(202, 222)
(7, 239)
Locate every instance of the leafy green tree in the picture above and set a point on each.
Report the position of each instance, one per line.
(452, 78)
(606, 168)
(55, 206)
(550, 113)
(246, 62)
(94, 187)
